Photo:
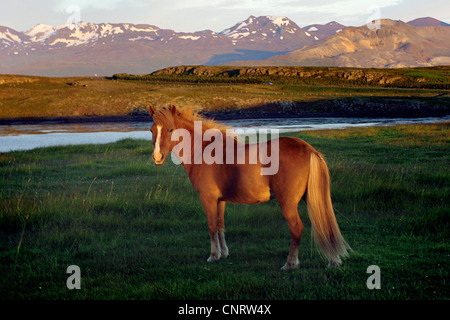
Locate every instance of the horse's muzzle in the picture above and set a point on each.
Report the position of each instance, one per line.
(160, 161)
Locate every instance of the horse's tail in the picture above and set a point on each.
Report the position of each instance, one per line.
(320, 210)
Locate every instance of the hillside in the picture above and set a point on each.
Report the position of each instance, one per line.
(427, 22)
(434, 77)
(227, 92)
(394, 45)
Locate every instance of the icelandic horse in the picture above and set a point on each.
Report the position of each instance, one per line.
(302, 174)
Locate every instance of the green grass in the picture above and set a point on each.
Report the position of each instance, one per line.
(139, 232)
(427, 75)
(421, 77)
(324, 90)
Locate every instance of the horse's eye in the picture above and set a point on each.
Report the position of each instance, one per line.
(170, 130)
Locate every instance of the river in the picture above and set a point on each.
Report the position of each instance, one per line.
(15, 137)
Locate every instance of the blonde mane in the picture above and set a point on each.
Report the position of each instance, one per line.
(165, 117)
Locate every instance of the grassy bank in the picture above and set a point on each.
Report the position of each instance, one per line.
(128, 96)
(139, 232)
(424, 77)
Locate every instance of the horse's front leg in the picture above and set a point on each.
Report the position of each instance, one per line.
(221, 227)
(210, 205)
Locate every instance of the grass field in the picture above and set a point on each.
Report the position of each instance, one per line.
(42, 97)
(139, 232)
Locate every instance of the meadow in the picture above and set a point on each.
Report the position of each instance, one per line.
(421, 92)
(138, 231)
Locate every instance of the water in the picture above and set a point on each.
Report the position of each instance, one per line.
(300, 124)
(29, 136)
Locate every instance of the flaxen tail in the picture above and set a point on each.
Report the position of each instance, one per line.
(320, 210)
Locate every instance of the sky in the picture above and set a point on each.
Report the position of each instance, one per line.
(215, 15)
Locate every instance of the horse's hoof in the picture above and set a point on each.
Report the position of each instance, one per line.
(224, 254)
(291, 266)
(213, 258)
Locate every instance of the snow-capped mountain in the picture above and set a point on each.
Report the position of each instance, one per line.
(10, 38)
(322, 31)
(40, 32)
(89, 48)
(83, 33)
(106, 48)
(267, 30)
(254, 29)
(395, 44)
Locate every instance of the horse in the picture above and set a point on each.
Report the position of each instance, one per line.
(302, 173)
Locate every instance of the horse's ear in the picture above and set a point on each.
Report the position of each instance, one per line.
(173, 109)
(151, 110)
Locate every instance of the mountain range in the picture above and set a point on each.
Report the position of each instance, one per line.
(107, 48)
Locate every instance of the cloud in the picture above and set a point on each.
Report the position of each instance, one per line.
(61, 6)
(351, 7)
(353, 12)
(194, 15)
(341, 7)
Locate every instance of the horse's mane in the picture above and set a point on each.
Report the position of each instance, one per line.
(187, 113)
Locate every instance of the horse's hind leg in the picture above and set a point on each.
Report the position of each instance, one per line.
(290, 213)
(221, 227)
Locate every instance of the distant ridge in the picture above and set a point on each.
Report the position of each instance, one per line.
(428, 22)
(395, 44)
(108, 48)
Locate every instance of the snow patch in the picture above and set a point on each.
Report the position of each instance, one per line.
(279, 21)
(7, 35)
(149, 29)
(40, 32)
(239, 35)
(86, 33)
(141, 38)
(189, 37)
(233, 30)
(108, 29)
(313, 29)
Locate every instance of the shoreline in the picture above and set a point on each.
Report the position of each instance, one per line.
(220, 116)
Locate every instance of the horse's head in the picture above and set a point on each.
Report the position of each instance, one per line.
(163, 125)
